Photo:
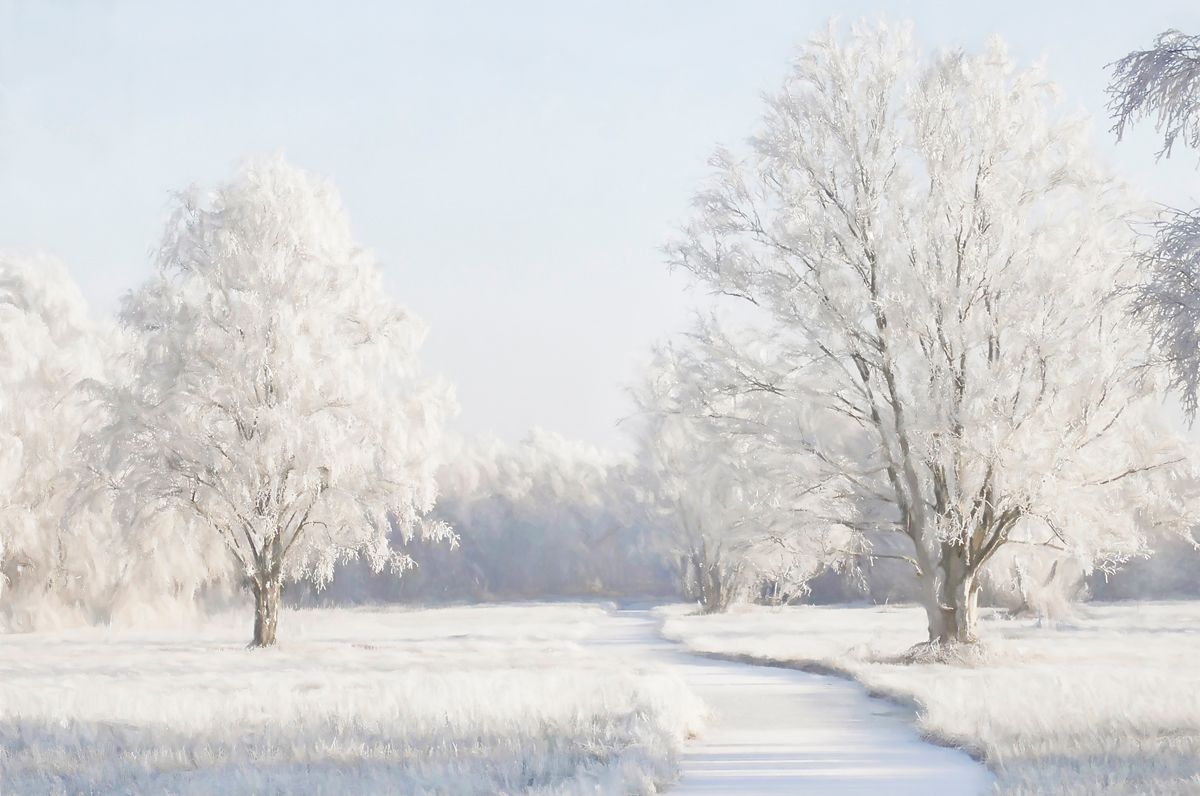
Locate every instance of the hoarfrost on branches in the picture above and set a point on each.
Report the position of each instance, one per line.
(943, 270)
(275, 402)
(737, 509)
(1164, 83)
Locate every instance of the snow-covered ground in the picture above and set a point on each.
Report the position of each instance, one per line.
(485, 700)
(529, 698)
(1107, 703)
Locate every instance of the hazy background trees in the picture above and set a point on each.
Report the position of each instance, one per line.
(546, 517)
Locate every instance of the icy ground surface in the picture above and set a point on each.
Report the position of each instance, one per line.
(780, 731)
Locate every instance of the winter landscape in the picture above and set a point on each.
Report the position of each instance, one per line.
(687, 398)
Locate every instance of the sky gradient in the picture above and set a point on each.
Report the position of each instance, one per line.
(515, 167)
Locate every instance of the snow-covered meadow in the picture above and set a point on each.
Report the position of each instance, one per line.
(471, 700)
(943, 350)
(1107, 702)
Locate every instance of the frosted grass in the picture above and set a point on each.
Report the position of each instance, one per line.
(1108, 703)
(464, 700)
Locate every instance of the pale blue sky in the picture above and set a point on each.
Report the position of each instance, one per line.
(515, 166)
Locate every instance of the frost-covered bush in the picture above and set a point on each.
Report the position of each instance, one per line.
(1040, 583)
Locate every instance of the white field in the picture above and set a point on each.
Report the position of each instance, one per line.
(1108, 703)
(473, 700)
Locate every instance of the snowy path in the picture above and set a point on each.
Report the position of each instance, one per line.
(779, 731)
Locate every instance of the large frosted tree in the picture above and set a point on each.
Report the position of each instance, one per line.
(939, 262)
(275, 402)
(1163, 83)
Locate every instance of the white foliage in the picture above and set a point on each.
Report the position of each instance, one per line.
(59, 556)
(738, 511)
(1164, 83)
(941, 264)
(274, 404)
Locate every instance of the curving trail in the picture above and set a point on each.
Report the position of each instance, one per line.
(780, 731)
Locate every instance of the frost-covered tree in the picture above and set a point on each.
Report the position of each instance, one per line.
(941, 265)
(733, 511)
(59, 555)
(1037, 582)
(275, 402)
(1164, 83)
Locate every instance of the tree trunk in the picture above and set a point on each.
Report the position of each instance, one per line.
(952, 602)
(708, 580)
(935, 611)
(966, 609)
(715, 599)
(266, 610)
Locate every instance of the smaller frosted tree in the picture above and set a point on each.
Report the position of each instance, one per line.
(733, 505)
(275, 403)
(1164, 83)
